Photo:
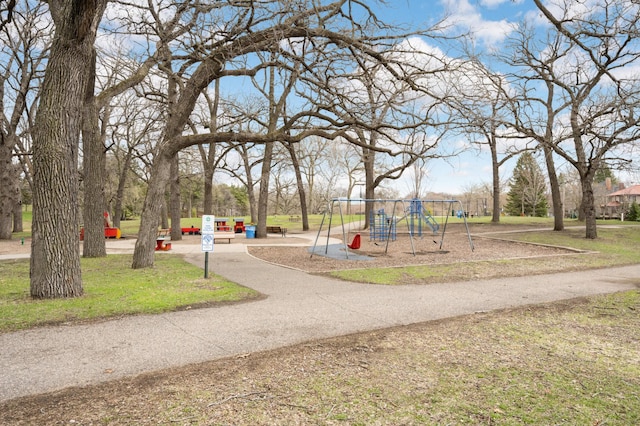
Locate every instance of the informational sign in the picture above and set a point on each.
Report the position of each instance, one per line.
(207, 230)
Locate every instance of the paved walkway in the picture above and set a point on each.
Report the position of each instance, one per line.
(298, 307)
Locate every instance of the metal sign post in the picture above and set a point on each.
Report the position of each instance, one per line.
(207, 230)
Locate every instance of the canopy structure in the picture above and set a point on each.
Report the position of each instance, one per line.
(383, 227)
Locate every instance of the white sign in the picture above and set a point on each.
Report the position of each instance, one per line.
(207, 242)
(207, 230)
(208, 222)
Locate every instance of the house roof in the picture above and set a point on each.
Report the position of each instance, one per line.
(632, 190)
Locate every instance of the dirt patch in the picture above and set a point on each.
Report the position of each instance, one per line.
(426, 250)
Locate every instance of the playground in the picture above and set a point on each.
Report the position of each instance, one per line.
(397, 233)
(398, 253)
(296, 250)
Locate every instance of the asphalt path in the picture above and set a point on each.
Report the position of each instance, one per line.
(297, 307)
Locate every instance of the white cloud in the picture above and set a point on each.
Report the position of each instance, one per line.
(492, 4)
(462, 14)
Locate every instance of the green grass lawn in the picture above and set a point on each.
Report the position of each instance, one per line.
(615, 246)
(113, 289)
(570, 362)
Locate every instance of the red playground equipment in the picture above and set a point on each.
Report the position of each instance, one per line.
(109, 231)
(238, 227)
(162, 237)
(221, 224)
(355, 244)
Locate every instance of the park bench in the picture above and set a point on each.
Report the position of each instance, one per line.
(277, 230)
(224, 236)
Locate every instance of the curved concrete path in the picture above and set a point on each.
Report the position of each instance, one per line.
(299, 307)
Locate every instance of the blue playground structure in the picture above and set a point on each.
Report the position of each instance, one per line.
(417, 215)
(384, 227)
(381, 226)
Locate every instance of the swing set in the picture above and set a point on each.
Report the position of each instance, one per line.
(384, 227)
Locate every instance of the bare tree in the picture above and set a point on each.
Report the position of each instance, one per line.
(312, 163)
(210, 156)
(55, 257)
(97, 115)
(240, 160)
(250, 159)
(244, 32)
(284, 192)
(598, 100)
(479, 102)
(24, 43)
(275, 112)
(134, 125)
(346, 156)
(395, 123)
(419, 173)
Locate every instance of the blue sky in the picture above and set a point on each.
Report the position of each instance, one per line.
(490, 22)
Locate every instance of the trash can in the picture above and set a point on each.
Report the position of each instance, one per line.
(250, 231)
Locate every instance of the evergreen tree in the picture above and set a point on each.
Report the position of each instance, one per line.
(527, 194)
(634, 212)
(603, 173)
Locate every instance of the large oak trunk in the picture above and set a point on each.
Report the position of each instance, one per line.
(55, 251)
(94, 163)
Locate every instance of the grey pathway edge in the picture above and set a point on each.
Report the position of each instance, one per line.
(299, 307)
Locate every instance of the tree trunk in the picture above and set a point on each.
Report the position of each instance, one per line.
(143, 255)
(208, 191)
(174, 199)
(94, 162)
(263, 196)
(556, 197)
(547, 146)
(9, 188)
(55, 252)
(164, 214)
(368, 156)
(208, 165)
(17, 215)
(251, 195)
(17, 218)
(253, 202)
(122, 183)
(300, 183)
(589, 209)
(495, 178)
(209, 156)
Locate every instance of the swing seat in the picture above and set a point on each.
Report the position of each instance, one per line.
(355, 244)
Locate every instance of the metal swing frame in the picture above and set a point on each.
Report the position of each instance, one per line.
(340, 201)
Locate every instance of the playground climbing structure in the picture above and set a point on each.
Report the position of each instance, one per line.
(384, 225)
